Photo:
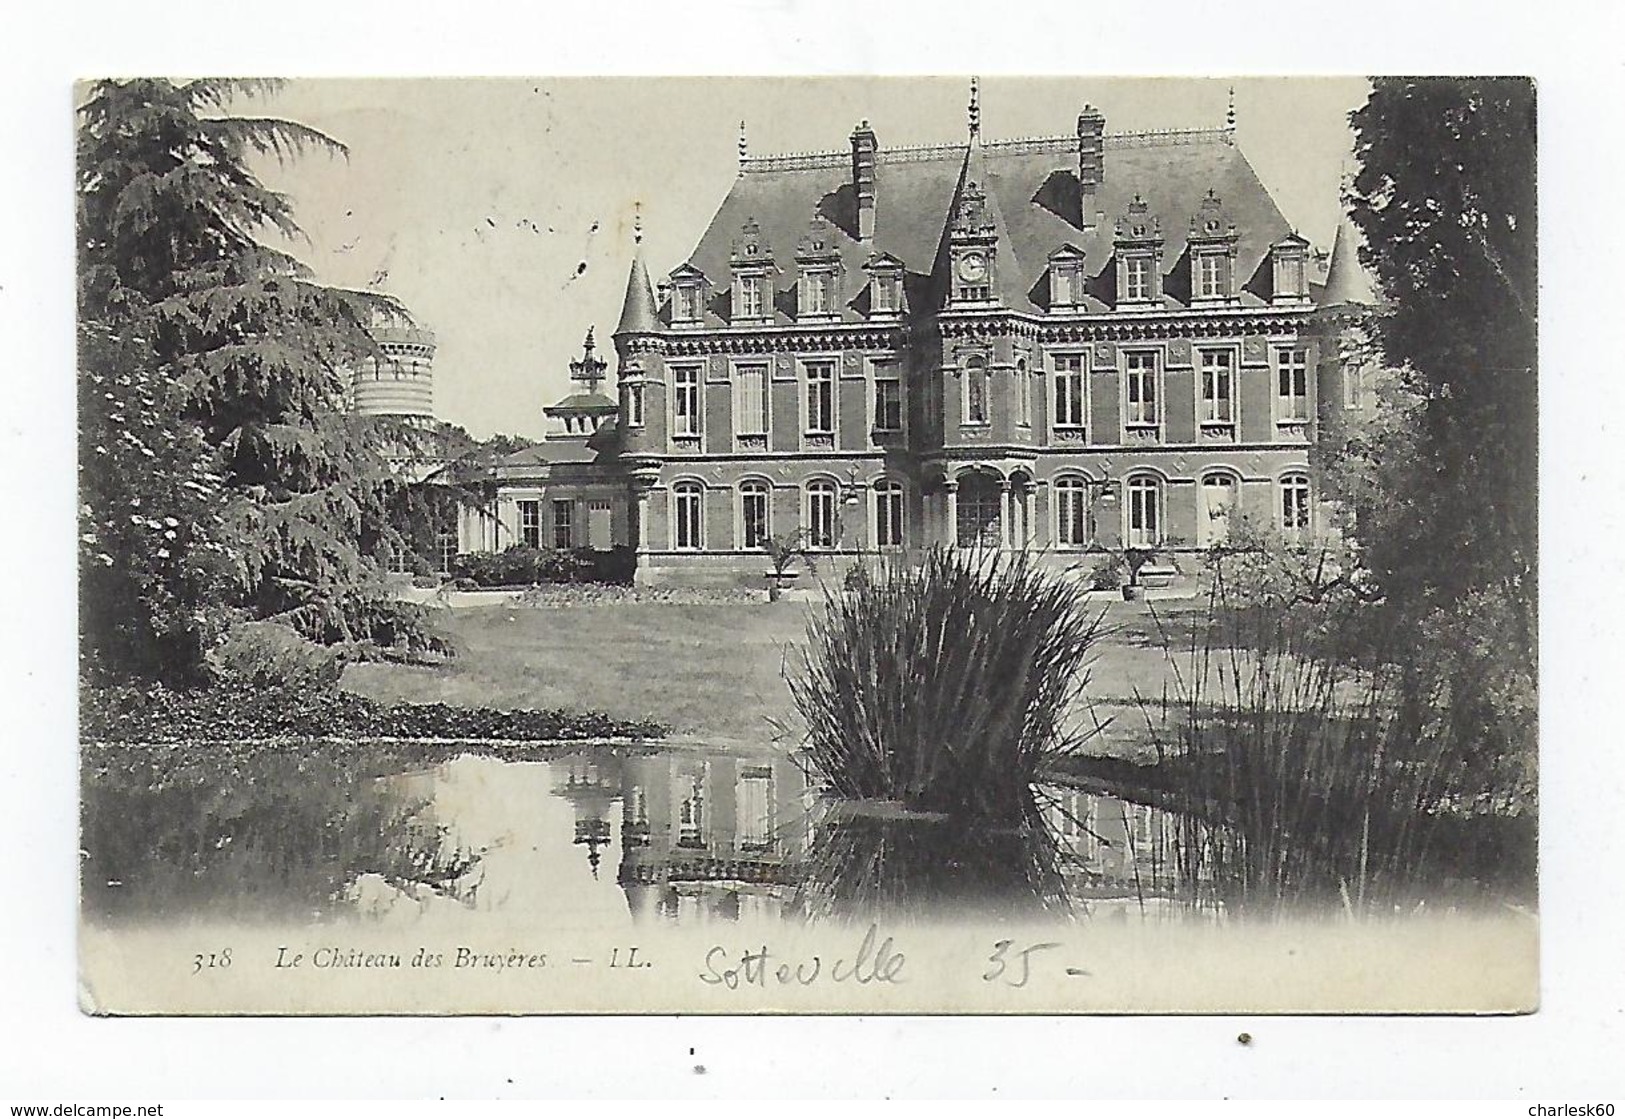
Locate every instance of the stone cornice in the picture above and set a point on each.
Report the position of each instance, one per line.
(779, 339)
(1118, 326)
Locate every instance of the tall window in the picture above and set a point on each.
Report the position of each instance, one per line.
(1136, 278)
(1292, 385)
(888, 399)
(634, 405)
(1069, 386)
(1144, 405)
(754, 502)
(820, 397)
(1210, 276)
(1024, 394)
(1295, 504)
(1071, 512)
(822, 499)
(688, 513)
(1353, 387)
(1218, 387)
(888, 514)
(750, 297)
(975, 391)
(686, 400)
(530, 524)
(755, 807)
(564, 524)
(750, 400)
(1144, 511)
(690, 790)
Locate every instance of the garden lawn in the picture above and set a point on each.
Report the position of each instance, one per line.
(713, 670)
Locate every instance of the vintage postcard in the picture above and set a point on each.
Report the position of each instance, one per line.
(859, 545)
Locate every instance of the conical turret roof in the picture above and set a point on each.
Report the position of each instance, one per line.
(638, 308)
(1347, 281)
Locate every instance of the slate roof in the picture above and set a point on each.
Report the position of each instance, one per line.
(589, 402)
(1033, 188)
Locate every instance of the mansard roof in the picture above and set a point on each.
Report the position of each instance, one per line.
(1031, 185)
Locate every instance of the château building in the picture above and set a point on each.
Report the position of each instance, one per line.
(1093, 340)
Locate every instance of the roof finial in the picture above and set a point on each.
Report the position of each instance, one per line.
(744, 149)
(637, 223)
(973, 111)
(1230, 112)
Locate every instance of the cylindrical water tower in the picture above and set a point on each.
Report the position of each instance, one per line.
(403, 383)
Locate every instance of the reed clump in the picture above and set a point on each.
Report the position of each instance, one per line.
(1318, 761)
(943, 682)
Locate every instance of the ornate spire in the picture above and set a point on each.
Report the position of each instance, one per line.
(973, 111)
(637, 223)
(589, 367)
(1230, 113)
(744, 148)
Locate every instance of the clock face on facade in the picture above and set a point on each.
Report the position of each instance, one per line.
(972, 267)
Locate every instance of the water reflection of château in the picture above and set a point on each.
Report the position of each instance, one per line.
(703, 836)
(708, 837)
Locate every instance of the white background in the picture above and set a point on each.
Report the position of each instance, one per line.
(1572, 1049)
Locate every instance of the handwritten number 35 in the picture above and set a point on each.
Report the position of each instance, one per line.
(1003, 960)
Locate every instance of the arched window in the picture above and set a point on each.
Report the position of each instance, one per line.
(1024, 394)
(1218, 498)
(1144, 511)
(688, 516)
(1071, 512)
(1295, 504)
(755, 514)
(888, 513)
(975, 390)
(979, 502)
(822, 499)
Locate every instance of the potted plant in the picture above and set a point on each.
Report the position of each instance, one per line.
(1135, 560)
(782, 552)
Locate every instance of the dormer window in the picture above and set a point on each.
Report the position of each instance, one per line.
(1138, 245)
(817, 295)
(749, 303)
(753, 269)
(1289, 280)
(1211, 279)
(1212, 247)
(687, 295)
(1066, 277)
(818, 265)
(884, 293)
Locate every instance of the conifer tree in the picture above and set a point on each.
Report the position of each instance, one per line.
(220, 477)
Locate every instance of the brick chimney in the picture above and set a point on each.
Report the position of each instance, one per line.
(865, 152)
(1091, 162)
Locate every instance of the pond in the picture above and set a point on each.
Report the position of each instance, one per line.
(599, 837)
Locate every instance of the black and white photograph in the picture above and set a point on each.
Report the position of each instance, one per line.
(983, 544)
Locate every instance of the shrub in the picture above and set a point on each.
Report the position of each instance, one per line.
(943, 685)
(1107, 573)
(269, 655)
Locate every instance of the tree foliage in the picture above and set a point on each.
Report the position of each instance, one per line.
(1442, 479)
(1445, 197)
(220, 478)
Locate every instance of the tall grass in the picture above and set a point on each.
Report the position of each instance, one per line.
(943, 683)
(1316, 762)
